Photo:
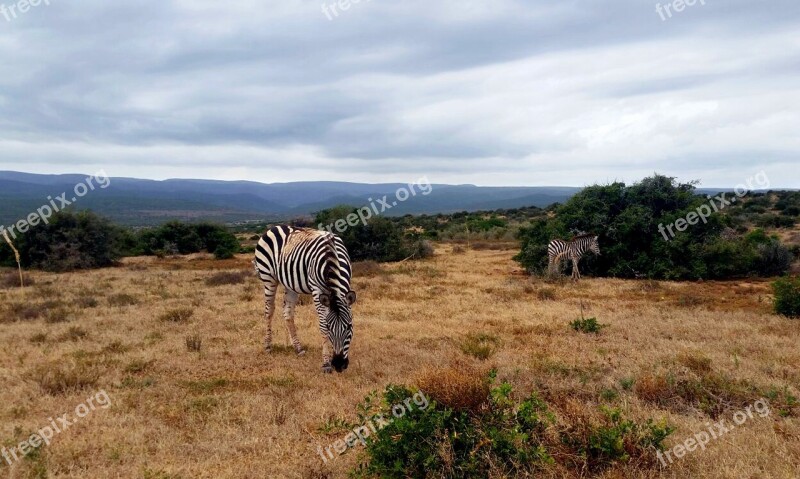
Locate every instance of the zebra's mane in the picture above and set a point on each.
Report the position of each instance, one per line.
(584, 235)
(333, 267)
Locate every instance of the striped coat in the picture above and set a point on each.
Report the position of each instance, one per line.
(307, 261)
(573, 250)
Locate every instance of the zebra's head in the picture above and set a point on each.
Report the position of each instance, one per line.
(339, 322)
(594, 246)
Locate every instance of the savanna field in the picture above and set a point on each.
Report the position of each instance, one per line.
(177, 345)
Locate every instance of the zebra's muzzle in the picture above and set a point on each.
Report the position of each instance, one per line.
(340, 363)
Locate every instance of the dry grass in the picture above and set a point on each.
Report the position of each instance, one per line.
(234, 411)
(230, 277)
(460, 386)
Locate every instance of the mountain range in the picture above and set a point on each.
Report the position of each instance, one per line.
(141, 202)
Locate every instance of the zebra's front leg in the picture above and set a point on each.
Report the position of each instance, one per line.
(326, 355)
(289, 303)
(269, 299)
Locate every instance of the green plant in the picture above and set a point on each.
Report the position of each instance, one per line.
(627, 383)
(505, 440)
(587, 325)
(480, 345)
(615, 438)
(787, 296)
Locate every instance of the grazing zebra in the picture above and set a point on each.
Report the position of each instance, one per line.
(307, 261)
(573, 249)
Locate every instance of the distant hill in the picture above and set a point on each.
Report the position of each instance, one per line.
(139, 202)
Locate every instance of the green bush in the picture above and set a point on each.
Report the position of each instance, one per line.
(441, 442)
(627, 221)
(380, 239)
(614, 439)
(587, 325)
(176, 237)
(509, 438)
(68, 242)
(787, 296)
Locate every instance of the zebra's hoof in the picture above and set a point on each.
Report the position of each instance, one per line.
(301, 352)
(327, 369)
(268, 349)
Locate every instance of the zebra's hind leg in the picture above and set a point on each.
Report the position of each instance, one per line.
(576, 274)
(270, 288)
(289, 303)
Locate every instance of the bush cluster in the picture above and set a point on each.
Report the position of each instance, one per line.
(83, 240)
(175, 237)
(787, 296)
(69, 241)
(503, 438)
(380, 239)
(626, 219)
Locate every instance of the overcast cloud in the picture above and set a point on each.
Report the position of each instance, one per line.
(493, 92)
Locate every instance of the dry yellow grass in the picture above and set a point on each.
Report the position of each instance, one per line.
(227, 409)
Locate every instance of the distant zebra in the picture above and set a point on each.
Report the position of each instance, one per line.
(573, 249)
(307, 261)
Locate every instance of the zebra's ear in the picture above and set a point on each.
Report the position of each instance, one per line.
(351, 297)
(325, 300)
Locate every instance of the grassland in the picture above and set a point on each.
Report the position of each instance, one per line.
(177, 345)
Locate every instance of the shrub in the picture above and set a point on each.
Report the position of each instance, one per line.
(69, 241)
(229, 277)
(787, 296)
(194, 343)
(615, 439)
(180, 315)
(57, 315)
(122, 299)
(480, 345)
(504, 437)
(629, 220)
(587, 325)
(440, 442)
(422, 249)
(175, 237)
(10, 279)
(75, 333)
(546, 294)
(58, 378)
(380, 239)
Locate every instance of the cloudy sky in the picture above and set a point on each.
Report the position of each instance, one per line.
(491, 92)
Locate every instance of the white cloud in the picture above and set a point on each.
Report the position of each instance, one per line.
(507, 92)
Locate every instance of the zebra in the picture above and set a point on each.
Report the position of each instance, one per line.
(308, 261)
(573, 249)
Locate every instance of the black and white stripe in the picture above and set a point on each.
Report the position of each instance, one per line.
(307, 261)
(573, 250)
